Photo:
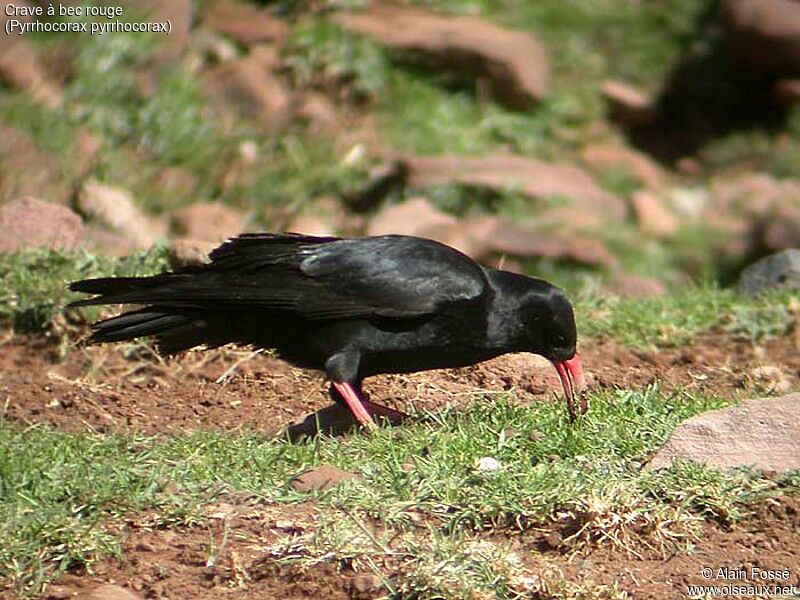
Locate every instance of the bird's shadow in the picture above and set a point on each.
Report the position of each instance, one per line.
(332, 420)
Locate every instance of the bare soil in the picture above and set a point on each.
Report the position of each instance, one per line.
(119, 389)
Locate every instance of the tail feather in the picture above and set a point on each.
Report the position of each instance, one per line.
(139, 323)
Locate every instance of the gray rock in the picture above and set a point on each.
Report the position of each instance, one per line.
(780, 270)
(761, 433)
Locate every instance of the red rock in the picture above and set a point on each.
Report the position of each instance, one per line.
(26, 170)
(320, 113)
(310, 224)
(32, 223)
(115, 208)
(616, 156)
(782, 227)
(763, 35)
(514, 63)
(636, 286)
(207, 221)
(536, 179)
(414, 216)
(519, 241)
(87, 147)
(629, 105)
(689, 166)
(184, 252)
(752, 194)
(20, 68)
(651, 214)
(180, 13)
(322, 478)
(251, 90)
(112, 592)
(247, 24)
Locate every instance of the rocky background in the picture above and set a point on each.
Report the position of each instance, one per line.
(621, 149)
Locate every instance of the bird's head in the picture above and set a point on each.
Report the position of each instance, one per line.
(551, 332)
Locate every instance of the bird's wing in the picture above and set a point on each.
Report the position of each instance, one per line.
(317, 278)
(390, 276)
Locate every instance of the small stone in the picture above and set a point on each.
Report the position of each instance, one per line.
(487, 464)
(112, 592)
(322, 478)
(365, 583)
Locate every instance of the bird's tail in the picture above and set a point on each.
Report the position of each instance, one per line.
(175, 329)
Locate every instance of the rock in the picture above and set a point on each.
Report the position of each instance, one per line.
(319, 112)
(636, 286)
(176, 182)
(310, 224)
(689, 202)
(652, 216)
(207, 221)
(115, 208)
(771, 379)
(26, 170)
(107, 242)
(536, 179)
(247, 86)
(760, 433)
(32, 223)
(180, 13)
(763, 36)
(781, 229)
(519, 241)
(86, 149)
(514, 63)
(363, 584)
(690, 166)
(20, 67)
(322, 478)
(415, 216)
(781, 270)
(752, 194)
(247, 24)
(629, 105)
(112, 592)
(488, 464)
(184, 252)
(617, 156)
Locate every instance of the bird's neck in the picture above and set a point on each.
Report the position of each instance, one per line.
(505, 328)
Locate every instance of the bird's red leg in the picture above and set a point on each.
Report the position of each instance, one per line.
(354, 403)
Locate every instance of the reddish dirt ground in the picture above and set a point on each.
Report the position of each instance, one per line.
(102, 389)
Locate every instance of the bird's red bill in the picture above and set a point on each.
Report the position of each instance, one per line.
(573, 381)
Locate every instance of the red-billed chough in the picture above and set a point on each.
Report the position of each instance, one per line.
(350, 307)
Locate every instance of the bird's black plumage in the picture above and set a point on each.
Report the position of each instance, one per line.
(350, 307)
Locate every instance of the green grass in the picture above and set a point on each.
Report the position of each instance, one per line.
(680, 317)
(58, 489)
(33, 284)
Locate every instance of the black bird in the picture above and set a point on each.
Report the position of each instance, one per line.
(350, 307)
